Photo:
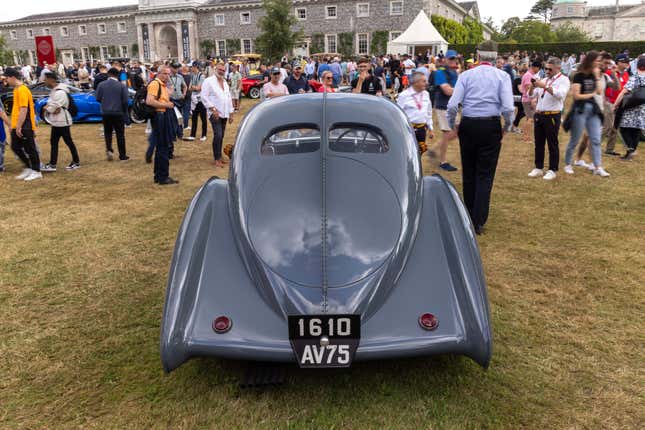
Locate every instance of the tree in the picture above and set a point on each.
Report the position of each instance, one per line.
(570, 33)
(474, 30)
(451, 30)
(543, 9)
(277, 36)
(530, 31)
(509, 25)
(6, 57)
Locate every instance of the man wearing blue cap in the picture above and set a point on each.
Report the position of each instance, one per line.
(445, 79)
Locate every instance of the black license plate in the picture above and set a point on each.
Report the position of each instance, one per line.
(324, 340)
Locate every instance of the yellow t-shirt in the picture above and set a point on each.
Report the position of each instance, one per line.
(153, 88)
(22, 98)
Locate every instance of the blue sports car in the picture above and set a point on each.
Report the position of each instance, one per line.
(89, 110)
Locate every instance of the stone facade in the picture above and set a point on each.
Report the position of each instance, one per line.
(157, 29)
(603, 23)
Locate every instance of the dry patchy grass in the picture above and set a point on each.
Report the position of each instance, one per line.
(83, 268)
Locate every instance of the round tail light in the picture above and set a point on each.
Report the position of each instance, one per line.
(222, 324)
(428, 321)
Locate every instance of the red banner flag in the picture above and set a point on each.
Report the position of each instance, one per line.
(45, 50)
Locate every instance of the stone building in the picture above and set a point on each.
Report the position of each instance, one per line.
(602, 23)
(186, 29)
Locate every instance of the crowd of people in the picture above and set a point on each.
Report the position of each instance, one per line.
(467, 95)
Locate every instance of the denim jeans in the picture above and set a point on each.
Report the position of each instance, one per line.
(185, 112)
(2, 147)
(586, 120)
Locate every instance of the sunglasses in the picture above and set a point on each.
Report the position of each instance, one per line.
(328, 77)
(548, 69)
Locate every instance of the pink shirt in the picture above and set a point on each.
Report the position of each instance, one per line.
(275, 89)
(324, 89)
(524, 85)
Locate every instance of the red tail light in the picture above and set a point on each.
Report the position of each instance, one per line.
(428, 321)
(222, 324)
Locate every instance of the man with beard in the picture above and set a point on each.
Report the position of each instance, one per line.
(366, 82)
(216, 97)
(297, 83)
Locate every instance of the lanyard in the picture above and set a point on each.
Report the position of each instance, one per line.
(549, 83)
(418, 99)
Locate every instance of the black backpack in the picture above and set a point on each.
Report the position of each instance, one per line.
(71, 104)
(140, 108)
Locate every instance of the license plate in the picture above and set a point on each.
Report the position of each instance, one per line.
(324, 340)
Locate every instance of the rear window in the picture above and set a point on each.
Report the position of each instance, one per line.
(292, 140)
(357, 139)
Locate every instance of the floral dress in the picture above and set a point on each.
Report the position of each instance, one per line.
(634, 117)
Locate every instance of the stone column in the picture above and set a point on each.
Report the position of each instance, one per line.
(140, 41)
(194, 47)
(152, 40)
(180, 43)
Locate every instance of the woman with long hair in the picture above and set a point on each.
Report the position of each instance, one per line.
(586, 112)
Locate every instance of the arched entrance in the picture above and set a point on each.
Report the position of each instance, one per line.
(167, 42)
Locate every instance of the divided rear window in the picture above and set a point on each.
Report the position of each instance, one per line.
(292, 140)
(351, 138)
(303, 138)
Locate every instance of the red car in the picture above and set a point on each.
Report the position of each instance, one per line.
(252, 85)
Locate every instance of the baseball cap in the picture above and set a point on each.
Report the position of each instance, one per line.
(622, 57)
(11, 72)
(175, 65)
(275, 70)
(51, 75)
(451, 53)
(297, 66)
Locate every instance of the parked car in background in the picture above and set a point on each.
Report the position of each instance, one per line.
(252, 86)
(38, 91)
(89, 109)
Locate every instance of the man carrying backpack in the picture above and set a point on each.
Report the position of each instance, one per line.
(57, 114)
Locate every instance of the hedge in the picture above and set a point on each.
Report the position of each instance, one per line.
(635, 48)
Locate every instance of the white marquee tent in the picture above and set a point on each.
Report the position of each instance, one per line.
(418, 37)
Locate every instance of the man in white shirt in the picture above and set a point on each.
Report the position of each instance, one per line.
(550, 93)
(216, 97)
(415, 102)
(408, 65)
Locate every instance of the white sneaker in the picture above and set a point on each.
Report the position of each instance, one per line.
(580, 163)
(568, 169)
(24, 174)
(550, 175)
(33, 176)
(203, 138)
(601, 172)
(536, 173)
(591, 167)
(48, 168)
(148, 130)
(189, 138)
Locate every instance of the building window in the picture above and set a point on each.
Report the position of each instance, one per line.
(396, 7)
(82, 30)
(85, 53)
(64, 31)
(246, 46)
(362, 10)
(330, 12)
(30, 33)
(219, 19)
(221, 48)
(101, 28)
(362, 43)
(330, 43)
(104, 53)
(121, 27)
(301, 13)
(124, 51)
(13, 34)
(245, 17)
(394, 35)
(569, 10)
(46, 31)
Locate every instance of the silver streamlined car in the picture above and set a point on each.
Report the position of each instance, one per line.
(325, 245)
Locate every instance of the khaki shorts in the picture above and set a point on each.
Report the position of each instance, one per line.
(442, 119)
(528, 109)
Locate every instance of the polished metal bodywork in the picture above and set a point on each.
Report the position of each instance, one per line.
(326, 230)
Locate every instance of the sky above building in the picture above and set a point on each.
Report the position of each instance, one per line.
(498, 9)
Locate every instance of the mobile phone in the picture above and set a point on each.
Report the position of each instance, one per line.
(532, 80)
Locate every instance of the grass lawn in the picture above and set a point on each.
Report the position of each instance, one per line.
(83, 268)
